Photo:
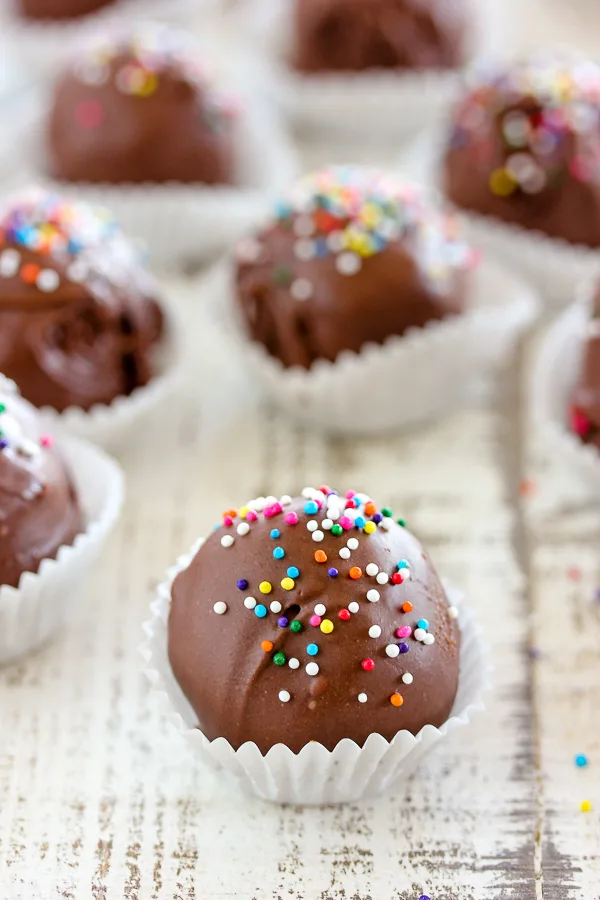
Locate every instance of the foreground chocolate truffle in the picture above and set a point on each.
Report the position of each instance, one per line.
(352, 35)
(585, 408)
(60, 9)
(79, 324)
(38, 506)
(351, 256)
(313, 619)
(140, 108)
(524, 148)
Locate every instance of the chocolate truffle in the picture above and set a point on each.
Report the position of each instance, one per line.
(38, 506)
(352, 35)
(585, 408)
(60, 9)
(351, 256)
(313, 619)
(140, 108)
(78, 321)
(524, 147)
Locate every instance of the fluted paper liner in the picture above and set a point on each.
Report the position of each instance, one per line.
(409, 378)
(34, 611)
(315, 775)
(554, 378)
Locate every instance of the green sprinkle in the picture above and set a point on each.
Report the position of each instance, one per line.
(386, 511)
(2, 408)
(296, 626)
(279, 659)
(401, 522)
(283, 275)
(336, 529)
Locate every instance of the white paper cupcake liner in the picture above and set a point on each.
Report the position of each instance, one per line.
(346, 774)
(367, 105)
(42, 603)
(111, 424)
(408, 379)
(552, 266)
(178, 223)
(553, 380)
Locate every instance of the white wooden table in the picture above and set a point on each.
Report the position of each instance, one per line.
(100, 799)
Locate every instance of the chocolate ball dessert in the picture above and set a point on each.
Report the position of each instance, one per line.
(140, 108)
(39, 512)
(351, 35)
(79, 324)
(524, 148)
(313, 619)
(585, 409)
(352, 256)
(52, 10)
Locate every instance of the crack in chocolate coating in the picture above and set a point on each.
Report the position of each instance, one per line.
(39, 512)
(233, 684)
(60, 9)
(354, 35)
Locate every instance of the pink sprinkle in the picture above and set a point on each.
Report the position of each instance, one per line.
(251, 516)
(580, 424)
(291, 518)
(273, 510)
(349, 495)
(315, 621)
(350, 504)
(227, 520)
(346, 522)
(404, 632)
(46, 440)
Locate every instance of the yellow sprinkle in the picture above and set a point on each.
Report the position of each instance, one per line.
(265, 587)
(502, 184)
(370, 215)
(287, 584)
(326, 626)
(148, 86)
(243, 512)
(369, 527)
(586, 806)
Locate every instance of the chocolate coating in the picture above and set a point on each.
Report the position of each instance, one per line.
(352, 35)
(523, 148)
(79, 324)
(39, 512)
(60, 9)
(234, 681)
(139, 110)
(585, 409)
(305, 301)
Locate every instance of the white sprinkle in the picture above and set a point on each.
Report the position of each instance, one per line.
(333, 513)
(348, 263)
(220, 607)
(387, 523)
(286, 500)
(372, 569)
(319, 497)
(249, 602)
(453, 612)
(392, 650)
(307, 493)
(407, 678)
(47, 281)
(320, 609)
(312, 525)
(419, 634)
(373, 595)
(312, 668)
(353, 607)
(301, 289)
(275, 606)
(270, 500)
(293, 663)
(77, 271)
(327, 524)
(362, 698)
(352, 544)
(304, 249)
(335, 241)
(9, 262)
(345, 553)
(285, 696)
(227, 540)
(243, 528)
(375, 631)
(317, 536)
(429, 639)
(382, 578)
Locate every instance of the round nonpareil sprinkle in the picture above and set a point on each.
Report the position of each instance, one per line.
(373, 596)
(227, 540)
(368, 665)
(265, 587)
(275, 606)
(362, 698)
(326, 626)
(407, 678)
(353, 607)
(249, 602)
(312, 668)
(285, 696)
(220, 607)
(260, 610)
(294, 663)
(266, 646)
(375, 631)
(397, 700)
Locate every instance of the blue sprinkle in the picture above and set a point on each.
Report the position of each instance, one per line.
(423, 623)
(333, 573)
(312, 649)
(278, 552)
(581, 760)
(311, 508)
(321, 247)
(260, 611)
(275, 533)
(404, 564)
(360, 522)
(293, 572)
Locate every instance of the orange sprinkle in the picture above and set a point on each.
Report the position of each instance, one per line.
(407, 607)
(355, 572)
(267, 646)
(29, 273)
(396, 699)
(369, 509)
(230, 512)
(320, 556)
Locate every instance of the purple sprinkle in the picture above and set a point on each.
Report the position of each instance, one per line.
(3, 444)
(403, 647)
(242, 584)
(423, 897)
(283, 622)
(377, 518)
(333, 573)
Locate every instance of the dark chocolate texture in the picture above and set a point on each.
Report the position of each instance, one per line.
(60, 9)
